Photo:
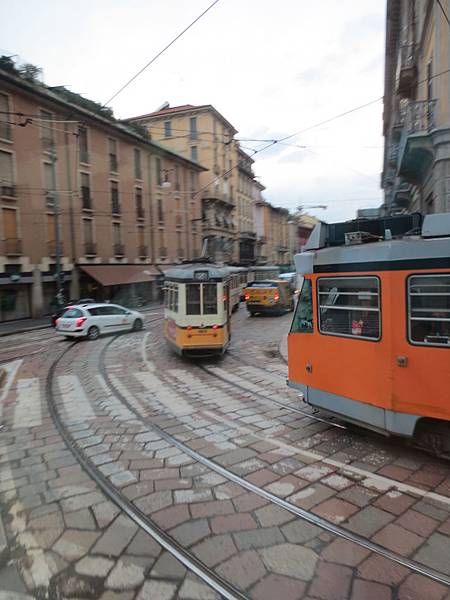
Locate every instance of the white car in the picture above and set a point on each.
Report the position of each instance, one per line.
(91, 320)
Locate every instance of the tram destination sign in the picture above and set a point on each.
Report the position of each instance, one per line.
(201, 275)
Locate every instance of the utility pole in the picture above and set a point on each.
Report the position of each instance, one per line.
(59, 282)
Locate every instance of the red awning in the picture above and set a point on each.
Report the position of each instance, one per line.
(121, 274)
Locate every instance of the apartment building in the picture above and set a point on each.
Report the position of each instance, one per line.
(245, 200)
(416, 119)
(202, 135)
(88, 206)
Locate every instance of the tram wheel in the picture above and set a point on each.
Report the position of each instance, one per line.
(434, 437)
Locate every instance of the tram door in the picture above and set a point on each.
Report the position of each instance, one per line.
(227, 309)
(421, 354)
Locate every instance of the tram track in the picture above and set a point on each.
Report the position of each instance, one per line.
(299, 512)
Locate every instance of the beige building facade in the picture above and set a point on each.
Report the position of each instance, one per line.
(416, 119)
(119, 203)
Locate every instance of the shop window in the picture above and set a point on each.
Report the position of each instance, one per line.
(429, 310)
(193, 299)
(349, 307)
(303, 318)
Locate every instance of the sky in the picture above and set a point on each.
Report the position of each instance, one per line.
(271, 68)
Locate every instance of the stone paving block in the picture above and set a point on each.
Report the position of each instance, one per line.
(395, 502)
(128, 573)
(11, 581)
(243, 569)
(398, 539)
(82, 501)
(188, 496)
(331, 582)
(196, 590)
(380, 569)
(212, 508)
(429, 509)
(172, 516)
(335, 510)
(435, 553)
(248, 502)
(290, 560)
(235, 456)
(258, 538)
(111, 595)
(115, 539)
(215, 550)
(137, 490)
(94, 566)
(157, 590)
(358, 495)
(81, 519)
(144, 545)
(300, 531)
(154, 502)
(168, 567)
(123, 478)
(417, 523)
(314, 472)
(228, 490)
(191, 532)
(271, 515)
(419, 587)
(74, 544)
(369, 590)
(343, 552)
(234, 522)
(368, 521)
(105, 513)
(172, 484)
(278, 587)
(311, 495)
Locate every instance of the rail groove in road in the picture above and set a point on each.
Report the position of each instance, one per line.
(297, 511)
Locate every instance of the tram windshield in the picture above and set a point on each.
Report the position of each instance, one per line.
(303, 318)
(201, 299)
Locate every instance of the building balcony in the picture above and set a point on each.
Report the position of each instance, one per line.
(143, 251)
(140, 213)
(406, 70)
(115, 207)
(392, 154)
(12, 247)
(86, 200)
(52, 248)
(281, 248)
(119, 250)
(402, 196)
(162, 252)
(416, 153)
(90, 249)
(247, 235)
(7, 190)
(215, 195)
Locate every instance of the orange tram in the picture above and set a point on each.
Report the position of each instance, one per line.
(370, 338)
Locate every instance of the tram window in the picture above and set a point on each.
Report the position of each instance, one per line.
(429, 310)
(193, 299)
(349, 307)
(303, 318)
(209, 299)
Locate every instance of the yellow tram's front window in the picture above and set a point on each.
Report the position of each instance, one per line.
(193, 304)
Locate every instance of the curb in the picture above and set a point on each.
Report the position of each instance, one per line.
(16, 331)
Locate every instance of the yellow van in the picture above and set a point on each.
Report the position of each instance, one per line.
(271, 296)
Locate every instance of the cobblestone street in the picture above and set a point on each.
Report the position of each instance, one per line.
(127, 473)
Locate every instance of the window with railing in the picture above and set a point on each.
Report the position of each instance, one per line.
(167, 129)
(83, 144)
(160, 211)
(115, 200)
(49, 185)
(193, 128)
(86, 200)
(137, 164)
(6, 174)
(47, 133)
(429, 310)
(139, 203)
(159, 180)
(5, 117)
(177, 178)
(113, 162)
(349, 307)
(194, 153)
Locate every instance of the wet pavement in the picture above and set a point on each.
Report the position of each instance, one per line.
(127, 472)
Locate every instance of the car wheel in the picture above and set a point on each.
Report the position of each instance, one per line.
(137, 325)
(93, 333)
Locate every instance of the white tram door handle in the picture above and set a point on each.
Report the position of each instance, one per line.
(402, 361)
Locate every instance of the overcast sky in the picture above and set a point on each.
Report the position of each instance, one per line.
(271, 68)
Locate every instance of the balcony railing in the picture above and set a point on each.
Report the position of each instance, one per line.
(8, 190)
(86, 199)
(90, 249)
(178, 220)
(143, 251)
(113, 164)
(140, 213)
(392, 154)
(48, 143)
(119, 249)
(419, 116)
(407, 69)
(52, 248)
(163, 252)
(115, 207)
(212, 194)
(12, 246)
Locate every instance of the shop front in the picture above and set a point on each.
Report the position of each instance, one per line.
(133, 286)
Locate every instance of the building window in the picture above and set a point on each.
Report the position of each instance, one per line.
(350, 307)
(86, 191)
(158, 171)
(115, 201)
(139, 203)
(193, 299)
(167, 129)
(429, 310)
(88, 231)
(142, 248)
(83, 144)
(12, 244)
(430, 80)
(160, 211)
(194, 153)
(6, 169)
(113, 163)
(137, 164)
(177, 178)
(303, 319)
(49, 185)
(5, 118)
(47, 134)
(193, 183)
(193, 127)
(117, 238)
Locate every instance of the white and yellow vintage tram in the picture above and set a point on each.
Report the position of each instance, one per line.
(197, 309)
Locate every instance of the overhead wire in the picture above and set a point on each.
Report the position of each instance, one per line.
(150, 62)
